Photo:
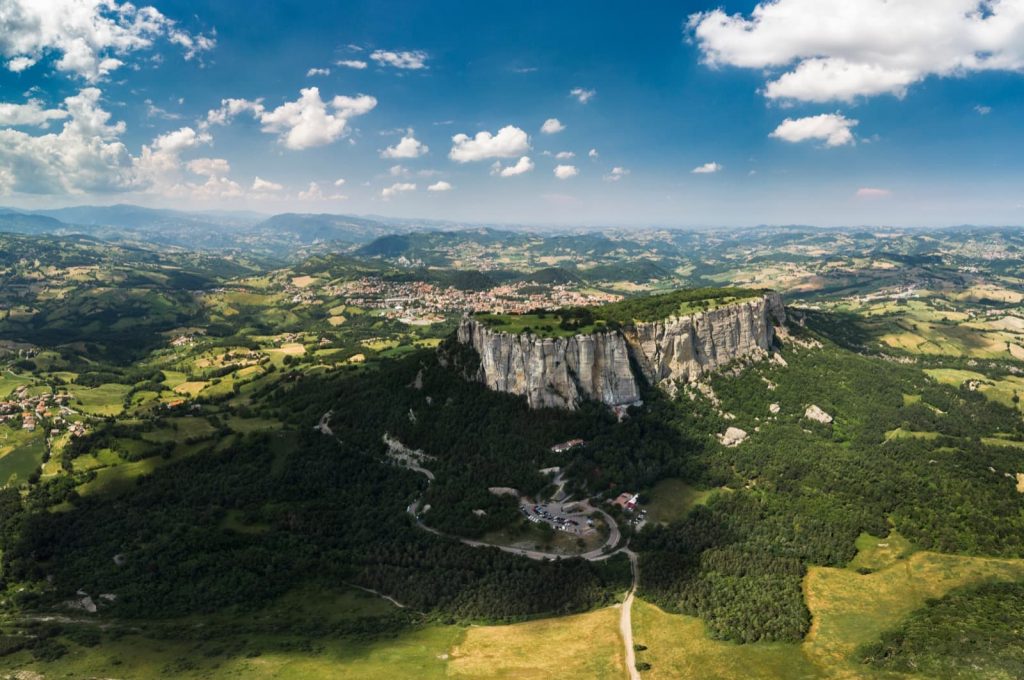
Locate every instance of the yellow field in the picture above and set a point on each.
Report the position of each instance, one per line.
(581, 646)
(190, 388)
(848, 609)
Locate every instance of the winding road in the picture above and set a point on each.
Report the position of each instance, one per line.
(626, 617)
(596, 555)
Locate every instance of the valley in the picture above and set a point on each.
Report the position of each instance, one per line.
(332, 462)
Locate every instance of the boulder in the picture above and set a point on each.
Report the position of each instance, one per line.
(815, 413)
(733, 436)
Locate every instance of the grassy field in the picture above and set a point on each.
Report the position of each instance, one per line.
(104, 400)
(21, 453)
(672, 499)
(848, 609)
(545, 325)
(1001, 390)
(581, 646)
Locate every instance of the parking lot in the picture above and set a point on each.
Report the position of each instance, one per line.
(570, 517)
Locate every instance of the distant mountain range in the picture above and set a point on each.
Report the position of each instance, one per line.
(276, 236)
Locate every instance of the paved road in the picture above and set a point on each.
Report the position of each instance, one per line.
(595, 555)
(626, 617)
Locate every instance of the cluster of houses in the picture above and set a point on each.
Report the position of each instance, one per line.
(419, 302)
(32, 409)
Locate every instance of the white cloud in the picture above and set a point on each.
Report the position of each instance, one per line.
(209, 167)
(306, 122)
(508, 143)
(30, 113)
(440, 185)
(316, 193)
(85, 156)
(566, 171)
(522, 166)
(565, 155)
(397, 188)
(872, 192)
(357, 64)
(839, 50)
(983, 110)
(413, 60)
(318, 72)
(593, 154)
(617, 173)
(582, 95)
(229, 108)
(398, 170)
(408, 147)
(90, 36)
(339, 182)
(263, 185)
(706, 169)
(831, 128)
(551, 126)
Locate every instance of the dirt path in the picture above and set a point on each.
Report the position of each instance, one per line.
(379, 594)
(626, 618)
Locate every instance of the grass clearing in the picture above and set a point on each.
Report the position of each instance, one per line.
(672, 499)
(104, 400)
(579, 646)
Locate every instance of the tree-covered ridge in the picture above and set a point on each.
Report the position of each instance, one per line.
(972, 632)
(802, 492)
(568, 321)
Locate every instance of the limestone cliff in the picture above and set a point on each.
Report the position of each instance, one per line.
(562, 372)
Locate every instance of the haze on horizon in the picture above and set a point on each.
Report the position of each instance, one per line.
(821, 112)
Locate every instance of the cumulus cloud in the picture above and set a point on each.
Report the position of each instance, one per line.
(316, 193)
(412, 60)
(407, 147)
(831, 128)
(551, 126)
(617, 173)
(824, 50)
(229, 108)
(88, 38)
(261, 185)
(872, 192)
(983, 110)
(31, 113)
(85, 156)
(565, 155)
(566, 171)
(509, 142)
(397, 188)
(592, 154)
(209, 167)
(339, 182)
(440, 185)
(706, 169)
(303, 123)
(357, 64)
(582, 96)
(318, 72)
(522, 166)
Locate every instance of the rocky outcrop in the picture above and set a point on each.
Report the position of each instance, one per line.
(815, 413)
(562, 372)
(554, 372)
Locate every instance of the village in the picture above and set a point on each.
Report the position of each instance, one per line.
(33, 409)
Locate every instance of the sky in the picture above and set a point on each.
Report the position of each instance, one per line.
(825, 112)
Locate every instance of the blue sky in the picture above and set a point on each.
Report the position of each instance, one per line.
(825, 112)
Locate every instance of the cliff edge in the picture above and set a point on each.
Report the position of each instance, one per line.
(561, 372)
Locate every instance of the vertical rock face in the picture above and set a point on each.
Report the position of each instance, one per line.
(562, 372)
(554, 372)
